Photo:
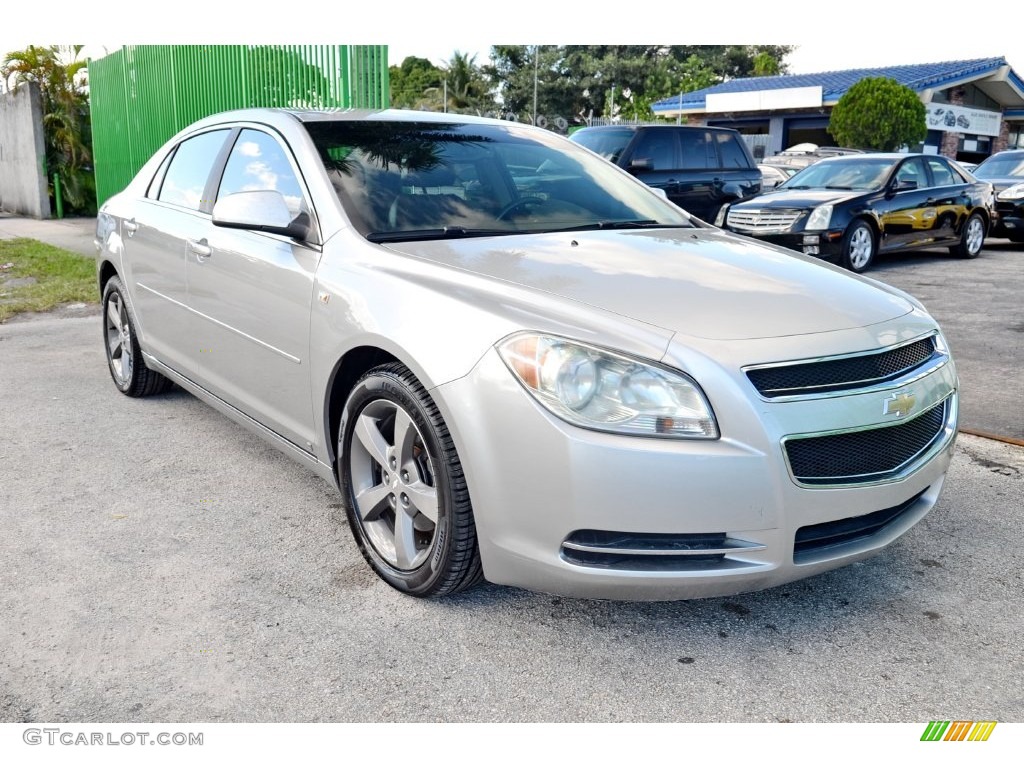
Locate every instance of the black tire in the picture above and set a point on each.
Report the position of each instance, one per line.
(124, 357)
(859, 246)
(398, 468)
(972, 238)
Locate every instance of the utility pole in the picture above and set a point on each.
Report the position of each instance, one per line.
(536, 50)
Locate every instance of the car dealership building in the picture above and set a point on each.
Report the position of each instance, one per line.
(974, 107)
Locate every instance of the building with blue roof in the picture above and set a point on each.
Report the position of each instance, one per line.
(974, 107)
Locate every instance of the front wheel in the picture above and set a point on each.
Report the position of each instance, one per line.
(124, 357)
(405, 493)
(972, 237)
(858, 247)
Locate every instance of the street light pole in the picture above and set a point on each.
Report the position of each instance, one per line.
(536, 50)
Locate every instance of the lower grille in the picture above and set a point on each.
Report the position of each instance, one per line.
(811, 540)
(655, 551)
(762, 220)
(866, 455)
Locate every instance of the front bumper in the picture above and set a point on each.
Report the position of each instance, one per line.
(565, 510)
(1010, 221)
(826, 245)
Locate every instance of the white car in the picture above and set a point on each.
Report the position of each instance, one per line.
(519, 363)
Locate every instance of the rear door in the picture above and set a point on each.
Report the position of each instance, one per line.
(949, 196)
(696, 188)
(252, 293)
(175, 211)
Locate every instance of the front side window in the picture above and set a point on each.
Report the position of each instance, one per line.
(185, 181)
(259, 163)
(658, 149)
(913, 170)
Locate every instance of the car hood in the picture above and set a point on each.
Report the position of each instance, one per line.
(1002, 182)
(797, 198)
(698, 282)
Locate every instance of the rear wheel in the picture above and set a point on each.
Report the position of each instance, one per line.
(124, 357)
(858, 247)
(972, 237)
(405, 493)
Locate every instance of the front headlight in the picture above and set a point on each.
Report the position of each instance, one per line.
(720, 216)
(597, 389)
(1016, 192)
(819, 218)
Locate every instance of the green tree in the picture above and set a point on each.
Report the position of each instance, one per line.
(62, 79)
(578, 81)
(878, 113)
(410, 81)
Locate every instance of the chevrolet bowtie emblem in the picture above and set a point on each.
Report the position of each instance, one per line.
(899, 404)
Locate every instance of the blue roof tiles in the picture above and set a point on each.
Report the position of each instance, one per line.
(919, 77)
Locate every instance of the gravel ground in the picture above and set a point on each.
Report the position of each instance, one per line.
(161, 564)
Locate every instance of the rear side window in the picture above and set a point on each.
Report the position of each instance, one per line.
(942, 174)
(699, 150)
(186, 177)
(731, 151)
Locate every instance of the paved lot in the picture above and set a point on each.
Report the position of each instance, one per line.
(162, 564)
(980, 305)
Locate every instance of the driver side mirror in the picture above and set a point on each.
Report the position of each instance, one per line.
(902, 185)
(262, 211)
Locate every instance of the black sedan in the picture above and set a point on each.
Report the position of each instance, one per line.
(849, 209)
(1005, 171)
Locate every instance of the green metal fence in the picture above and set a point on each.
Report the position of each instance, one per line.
(142, 95)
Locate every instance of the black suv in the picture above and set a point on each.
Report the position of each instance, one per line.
(699, 168)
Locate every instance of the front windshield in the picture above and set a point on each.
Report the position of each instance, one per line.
(868, 173)
(417, 180)
(997, 167)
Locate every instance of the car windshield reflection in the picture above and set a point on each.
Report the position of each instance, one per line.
(847, 174)
(408, 181)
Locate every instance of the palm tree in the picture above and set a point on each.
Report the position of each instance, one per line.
(61, 76)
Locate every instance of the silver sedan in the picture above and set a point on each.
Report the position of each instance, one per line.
(517, 362)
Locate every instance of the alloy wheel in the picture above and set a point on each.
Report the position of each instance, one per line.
(396, 501)
(119, 339)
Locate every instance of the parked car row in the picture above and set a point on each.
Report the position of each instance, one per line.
(517, 362)
(1005, 171)
(849, 209)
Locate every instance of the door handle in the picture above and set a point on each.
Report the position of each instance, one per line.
(200, 249)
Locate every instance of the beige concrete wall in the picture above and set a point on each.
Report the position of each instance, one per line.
(23, 187)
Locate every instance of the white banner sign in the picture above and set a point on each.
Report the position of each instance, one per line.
(951, 118)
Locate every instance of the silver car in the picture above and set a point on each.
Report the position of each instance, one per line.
(519, 363)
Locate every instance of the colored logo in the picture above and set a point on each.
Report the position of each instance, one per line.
(958, 730)
(899, 404)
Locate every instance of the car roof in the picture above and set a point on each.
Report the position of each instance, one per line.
(656, 126)
(276, 114)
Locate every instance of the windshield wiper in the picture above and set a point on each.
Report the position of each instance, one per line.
(830, 186)
(625, 224)
(440, 233)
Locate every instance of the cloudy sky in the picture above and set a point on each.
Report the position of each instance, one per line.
(870, 32)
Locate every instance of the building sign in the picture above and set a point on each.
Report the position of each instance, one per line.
(954, 119)
(758, 101)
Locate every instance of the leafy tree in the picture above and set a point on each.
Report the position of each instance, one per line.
(61, 77)
(410, 81)
(576, 81)
(878, 113)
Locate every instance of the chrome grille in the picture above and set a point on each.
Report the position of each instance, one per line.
(841, 373)
(762, 219)
(866, 455)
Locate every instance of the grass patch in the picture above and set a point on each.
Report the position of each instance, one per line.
(61, 277)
